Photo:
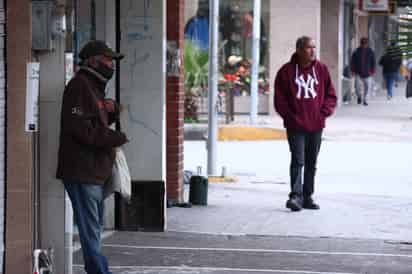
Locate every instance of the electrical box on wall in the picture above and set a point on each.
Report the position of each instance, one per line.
(42, 25)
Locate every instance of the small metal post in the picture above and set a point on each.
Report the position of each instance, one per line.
(213, 80)
(254, 100)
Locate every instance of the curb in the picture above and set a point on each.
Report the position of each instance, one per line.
(247, 133)
(222, 179)
(236, 133)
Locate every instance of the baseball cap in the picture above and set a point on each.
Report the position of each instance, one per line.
(97, 47)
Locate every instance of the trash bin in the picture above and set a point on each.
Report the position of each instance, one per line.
(198, 190)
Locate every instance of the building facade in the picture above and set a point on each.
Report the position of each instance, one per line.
(34, 210)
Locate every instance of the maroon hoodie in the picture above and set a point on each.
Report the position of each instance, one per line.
(304, 97)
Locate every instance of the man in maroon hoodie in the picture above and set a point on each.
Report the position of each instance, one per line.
(304, 98)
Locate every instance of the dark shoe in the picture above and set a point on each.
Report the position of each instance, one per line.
(310, 204)
(359, 101)
(294, 204)
(365, 103)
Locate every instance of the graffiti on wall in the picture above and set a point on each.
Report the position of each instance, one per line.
(140, 25)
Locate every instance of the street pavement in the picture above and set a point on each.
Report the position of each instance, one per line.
(364, 188)
(186, 253)
(363, 182)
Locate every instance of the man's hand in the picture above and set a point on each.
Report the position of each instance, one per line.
(109, 105)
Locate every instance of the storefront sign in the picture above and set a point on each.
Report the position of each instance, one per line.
(32, 97)
(374, 5)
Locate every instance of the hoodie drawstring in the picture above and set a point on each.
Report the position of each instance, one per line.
(314, 74)
(297, 74)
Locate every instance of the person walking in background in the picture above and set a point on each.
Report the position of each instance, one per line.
(391, 62)
(87, 147)
(363, 65)
(409, 79)
(197, 28)
(304, 98)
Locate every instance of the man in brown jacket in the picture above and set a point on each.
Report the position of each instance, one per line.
(87, 146)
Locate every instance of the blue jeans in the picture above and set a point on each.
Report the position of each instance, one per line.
(390, 79)
(304, 147)
(366, 86)
(88, 207)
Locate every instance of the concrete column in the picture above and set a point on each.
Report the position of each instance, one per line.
(106, 31)
(143, 79)
(175, 105)
(143, 90)
(52, 195)
(284, 15)
(19, 203)
(363, 30)
(331, 44)
(361, 27)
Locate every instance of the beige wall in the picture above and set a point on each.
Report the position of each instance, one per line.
(287, 23)
(331, 41)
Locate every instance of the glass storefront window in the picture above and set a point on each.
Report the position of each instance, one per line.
(235, 47)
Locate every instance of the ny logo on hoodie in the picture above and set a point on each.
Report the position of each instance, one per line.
(308, 86)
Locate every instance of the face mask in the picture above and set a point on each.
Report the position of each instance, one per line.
(105, 71)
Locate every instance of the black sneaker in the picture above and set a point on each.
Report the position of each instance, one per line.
(310, 204)
(365, 103)
(359, 101)
(294, 204)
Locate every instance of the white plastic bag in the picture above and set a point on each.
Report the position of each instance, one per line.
(121, 180)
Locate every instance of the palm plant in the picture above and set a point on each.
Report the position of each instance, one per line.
(403, 37)
(196, 72)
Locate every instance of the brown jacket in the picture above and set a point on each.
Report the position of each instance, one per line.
(86, 152)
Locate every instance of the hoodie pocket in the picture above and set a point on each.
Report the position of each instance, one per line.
(322, 119)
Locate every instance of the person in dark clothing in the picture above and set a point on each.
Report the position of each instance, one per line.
(87, 147)
(391, 62)
(304, 98)
(363, 65)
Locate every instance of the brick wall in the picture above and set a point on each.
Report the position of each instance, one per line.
(19, 207)
(175, 106)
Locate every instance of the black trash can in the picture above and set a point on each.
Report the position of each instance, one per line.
(198, 190)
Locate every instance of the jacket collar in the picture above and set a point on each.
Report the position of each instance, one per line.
(94, 73)
(98, 80)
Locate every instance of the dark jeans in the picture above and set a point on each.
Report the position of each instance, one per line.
(304, 147)
(88, 206)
